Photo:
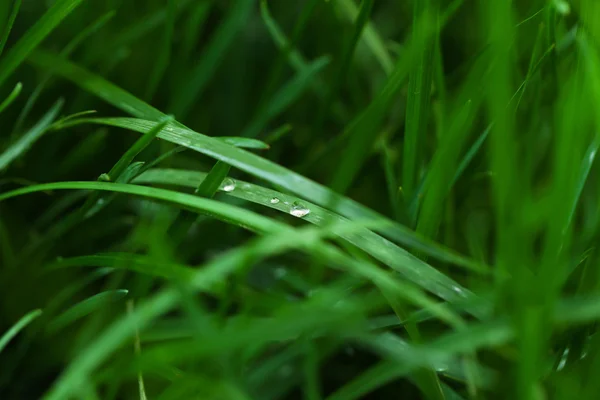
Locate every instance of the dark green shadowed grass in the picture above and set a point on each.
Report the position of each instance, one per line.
(352, 199)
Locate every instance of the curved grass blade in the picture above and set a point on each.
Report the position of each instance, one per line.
(283, 177)
(84, 308)
(135, 149)
(18, 327)
(205, 278)
(242, 160)
(16, 5)
(131, 262)
(11, 97)
(398, 259)
(29, 138)
(32, 38)
(211, 58)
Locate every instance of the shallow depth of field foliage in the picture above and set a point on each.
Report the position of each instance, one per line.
(299, 199)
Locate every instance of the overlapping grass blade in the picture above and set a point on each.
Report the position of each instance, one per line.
(398, 259)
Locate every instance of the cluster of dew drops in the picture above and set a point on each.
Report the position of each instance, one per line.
(296, 209)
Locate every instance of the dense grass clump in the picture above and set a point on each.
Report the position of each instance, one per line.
(277, 199)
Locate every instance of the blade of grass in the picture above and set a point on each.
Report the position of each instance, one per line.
(398, 259)
(16, 5)
(243, 160)
(84, 308)
(18, 327)
(210, 60)
(419, 94)
(32, 38)
(29, 138)
(11, 97)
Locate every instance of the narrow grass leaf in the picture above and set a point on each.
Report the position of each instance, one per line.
(419, 94)
(135, 149)
(11, 97)
(18, 327)
(16, 5)
(398, 259)
(245, 161)
(85, 307)
(29, 138)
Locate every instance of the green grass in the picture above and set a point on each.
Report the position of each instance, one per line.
(319, 200)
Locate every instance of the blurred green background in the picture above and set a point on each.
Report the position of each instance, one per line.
(472, 125)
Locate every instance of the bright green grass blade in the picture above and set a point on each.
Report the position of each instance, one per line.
(29, 138)
(283, 177)
(245, 161)
(364, 129)
(211, 58)
(392, 181)
(419, 94)
(66, 52)
(438, 180)
(32, 38)
(11, 97)
(131, 262)
(395, 257)
(345, 60)
(212, 273)
(226, 212)
(84, 308)
(371, 37)
(163, 56)
(18, 327)
(16, 5)
(211, 183)
(286, 96)
(135, 149)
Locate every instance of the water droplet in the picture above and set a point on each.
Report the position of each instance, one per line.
(274, 200)
(228, 185)
(104, 178)
(298, 210)
(100, 202)
(441, 367)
